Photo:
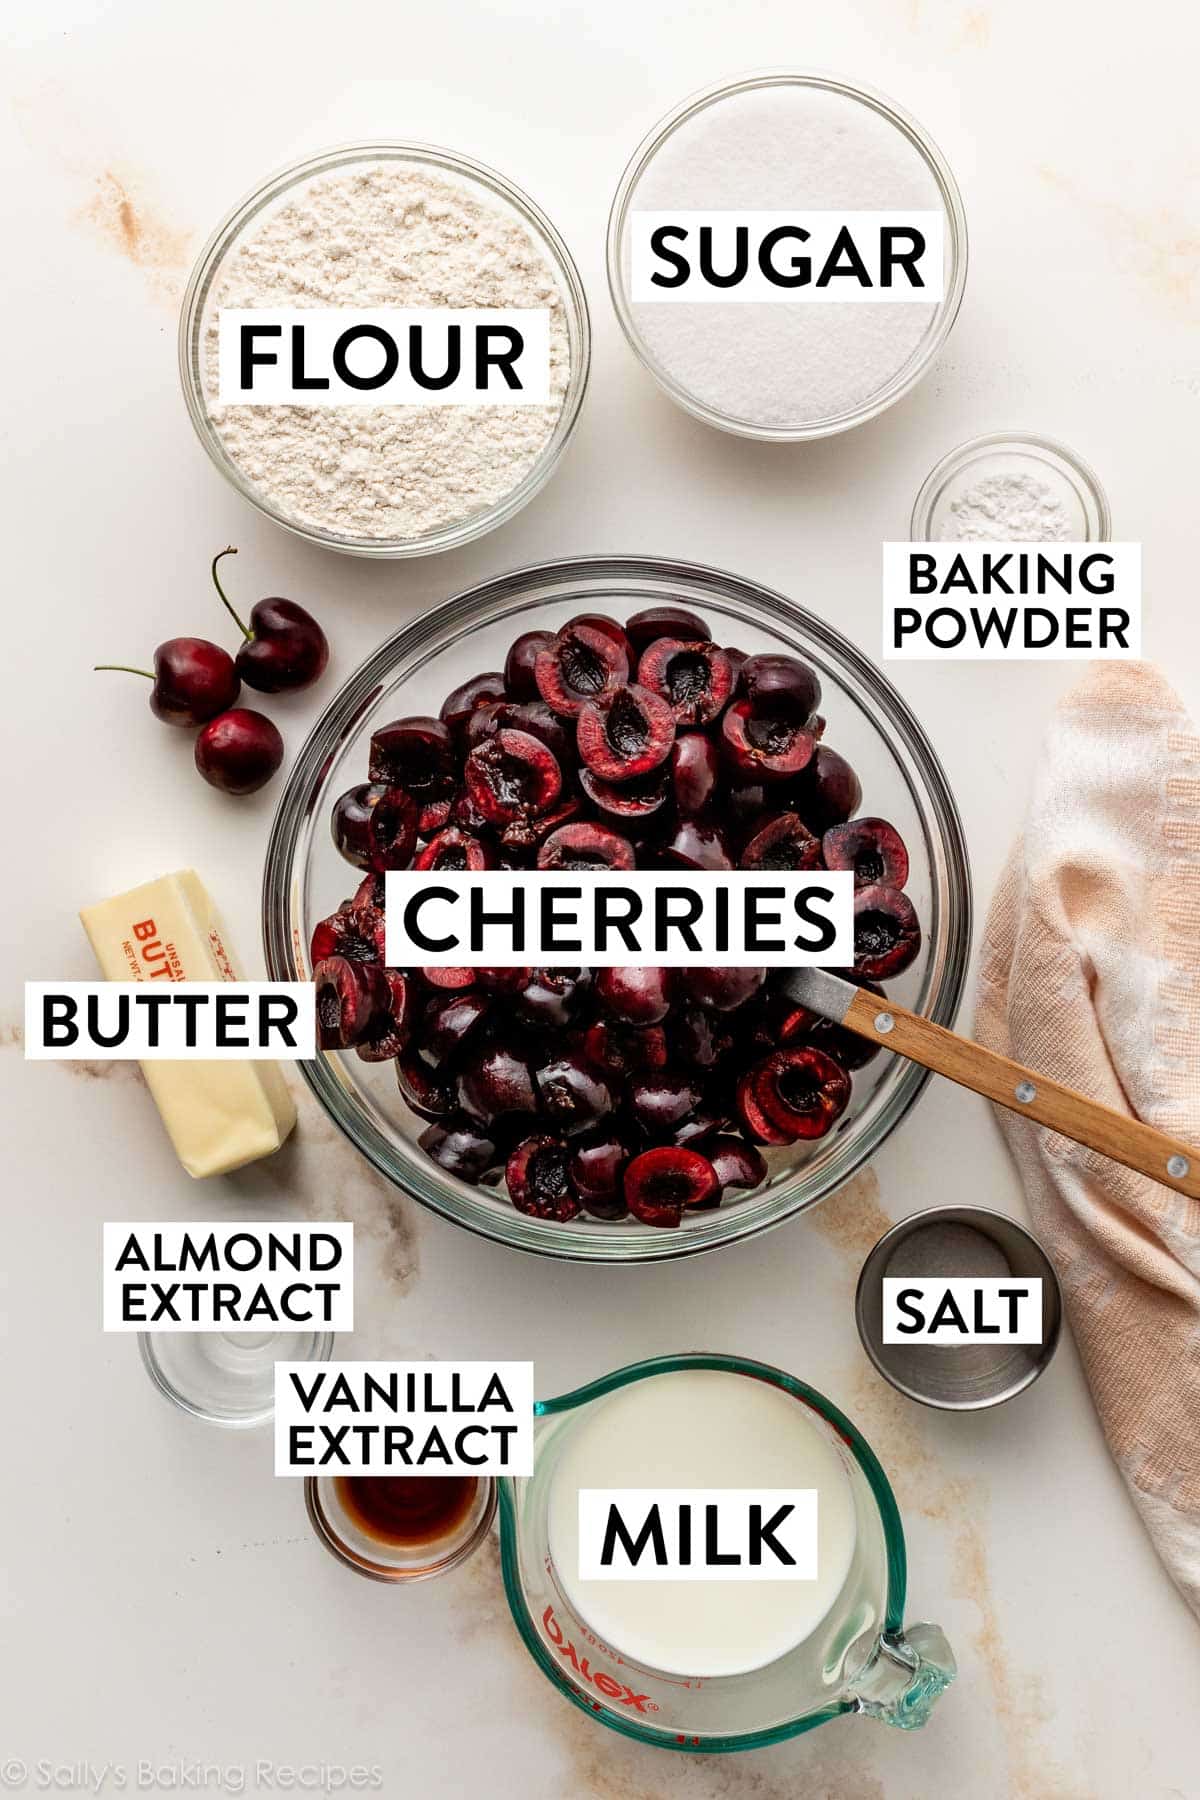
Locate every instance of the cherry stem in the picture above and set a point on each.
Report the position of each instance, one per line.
(245, 630)
(123, 669)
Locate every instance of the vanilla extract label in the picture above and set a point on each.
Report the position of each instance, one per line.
(404, 1418)
(988, 601)
(228, 1278)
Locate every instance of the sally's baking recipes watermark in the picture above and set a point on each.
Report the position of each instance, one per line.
(186, 1775)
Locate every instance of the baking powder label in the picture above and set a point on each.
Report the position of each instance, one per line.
(879, 258)
(383, 356)
(975, 601)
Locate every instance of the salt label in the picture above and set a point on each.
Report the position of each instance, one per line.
(962, 1309)
(888, 258)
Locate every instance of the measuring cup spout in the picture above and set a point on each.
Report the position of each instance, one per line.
(904, 1676)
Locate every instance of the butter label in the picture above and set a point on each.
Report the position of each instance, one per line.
(215, 1020)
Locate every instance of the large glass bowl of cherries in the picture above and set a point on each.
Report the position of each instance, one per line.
(613, 713)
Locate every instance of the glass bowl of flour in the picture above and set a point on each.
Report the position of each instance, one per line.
(385, 225)
(779, 143)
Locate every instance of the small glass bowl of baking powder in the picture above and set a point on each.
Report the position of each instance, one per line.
(1013, 488)
(364, 225)
(778, 141)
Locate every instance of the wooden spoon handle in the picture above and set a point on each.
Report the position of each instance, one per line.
(1024, 1091)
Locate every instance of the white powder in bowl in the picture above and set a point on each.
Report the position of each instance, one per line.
(387, 234)
(771, 149)
(1012, 509)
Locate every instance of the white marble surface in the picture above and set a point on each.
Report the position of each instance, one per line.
(164, 1599)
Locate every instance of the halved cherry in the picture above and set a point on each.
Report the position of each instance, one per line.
(621, 1049)
(694, 768)
(573, 1096)
(802, 1090)
(755, 1118)
(872, 848)
(524, 836)
(655, 622)
(829, 792)
(784, 843)
(697, 844)
(586, 846)
(639, 995)
(780, 684)
(392, 829)
(350, 820)
(450, 980)
(460, 1147)
(389, 1026)
(481, 690)
(539, 1181)
(430, 1093)
(610, 628)
(625, 733)
(415, 754)
(453, 848)
(662, 1100)
(661, 1182)
(695, 679)
(637, 799)
(774, 744)
(735, 1162)
(352, 931)
(887, 933)
(580, 665)
(723, 989)
(520, 681)
(348, 994)
(512, 776)
(597, 1167)
(448, 1021)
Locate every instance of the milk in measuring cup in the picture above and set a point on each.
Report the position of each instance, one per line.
(701, 1428)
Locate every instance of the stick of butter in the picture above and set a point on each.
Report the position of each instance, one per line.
(220, 1115)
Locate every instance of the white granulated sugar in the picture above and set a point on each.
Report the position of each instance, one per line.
(1009, 509)
(388, 234)
(774, 149)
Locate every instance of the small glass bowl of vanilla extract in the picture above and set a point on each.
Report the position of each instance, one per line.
(401, 1527)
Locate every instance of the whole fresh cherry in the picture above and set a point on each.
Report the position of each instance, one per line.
(239, 751)
(285, 648)
(193, 680)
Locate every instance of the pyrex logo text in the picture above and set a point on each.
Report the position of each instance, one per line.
(603, 1682)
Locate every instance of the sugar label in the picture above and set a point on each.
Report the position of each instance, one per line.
(790, 258)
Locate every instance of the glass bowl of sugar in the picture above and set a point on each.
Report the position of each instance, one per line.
(776, 144)
(380, 226)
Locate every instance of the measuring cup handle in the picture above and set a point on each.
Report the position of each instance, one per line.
(906, 1674)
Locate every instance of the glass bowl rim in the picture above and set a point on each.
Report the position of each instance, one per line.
(1014, 442)
(895, 1550)
(322, 1351)
(578, 322)
(344, 713)
(912, 372)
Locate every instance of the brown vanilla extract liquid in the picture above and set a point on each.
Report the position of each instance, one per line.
(407, 1511)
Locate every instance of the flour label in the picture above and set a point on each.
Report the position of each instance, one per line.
(383, 356)
(888, 258)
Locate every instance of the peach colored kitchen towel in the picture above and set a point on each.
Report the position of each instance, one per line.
(1091, 972)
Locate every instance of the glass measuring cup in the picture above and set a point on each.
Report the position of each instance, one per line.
(858, 1660)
